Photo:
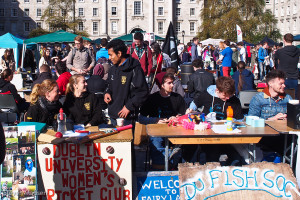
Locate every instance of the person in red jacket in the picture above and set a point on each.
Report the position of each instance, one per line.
(140, 51)
(63, 77)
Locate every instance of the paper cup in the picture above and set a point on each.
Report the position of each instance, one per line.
(120, 122)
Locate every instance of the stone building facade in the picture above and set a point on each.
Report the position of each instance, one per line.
(287, 12)
(109, 18)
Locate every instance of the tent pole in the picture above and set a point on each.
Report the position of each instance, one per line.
(23, 55)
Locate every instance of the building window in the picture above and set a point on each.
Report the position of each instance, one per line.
(95, 1)
(160, 11)
(39, 1)
(26, 27)
(95, 12)
(114, 11)
(1, 26)
(276, 1)
(14, 12)
(39, 24)
(25, 1)
(295, 9)
(2, 12)
(178, 11)
(160, 27)
(192, 11)
(38, 12)
(137, 8)
(288, 26)
(288, 10)
(95, 28)
(114, 27)
(51, 12)
(192, 26)
(177, 1)
(80, 26)
(81, 1)
(178, 27)
(295, 25)
(63, 12)
(80, 12)
(160, 0)
(113, 0)
(276, 12)
(192, 1)
(267, 1)
(26, 12)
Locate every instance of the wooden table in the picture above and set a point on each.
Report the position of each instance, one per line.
(123, 136)
(179, 135)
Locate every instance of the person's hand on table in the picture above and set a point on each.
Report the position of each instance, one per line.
(107, 98)
(88, 125)
(279, 116)
(162, 121)
(124, 112)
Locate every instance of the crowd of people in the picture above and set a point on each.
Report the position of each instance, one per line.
(137, 83)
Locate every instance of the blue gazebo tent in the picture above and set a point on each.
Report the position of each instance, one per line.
(10, 41)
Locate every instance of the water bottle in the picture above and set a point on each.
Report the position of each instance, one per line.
(229, 118)
(61, 122)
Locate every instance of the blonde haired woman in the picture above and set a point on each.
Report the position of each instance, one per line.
(44, 103)
(81, 106)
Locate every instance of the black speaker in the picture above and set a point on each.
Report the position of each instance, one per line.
(293, 116)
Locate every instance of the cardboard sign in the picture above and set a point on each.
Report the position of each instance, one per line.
(156, 185)
(259, 180)
(87, 171)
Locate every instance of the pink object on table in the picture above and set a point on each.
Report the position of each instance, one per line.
(124, 127)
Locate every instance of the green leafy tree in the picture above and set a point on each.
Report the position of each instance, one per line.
(37, 32)
(60, 14)
(220, 18)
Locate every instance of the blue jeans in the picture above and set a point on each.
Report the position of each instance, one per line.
(292, 84)
(157, 150)
(261, 69)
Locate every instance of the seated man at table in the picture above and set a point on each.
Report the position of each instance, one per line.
(218, 97)
(160, 107)
(271, 103)
(216, 100)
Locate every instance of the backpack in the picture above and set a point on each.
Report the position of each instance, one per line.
(146, 51)
(99, 68)
(74, 52)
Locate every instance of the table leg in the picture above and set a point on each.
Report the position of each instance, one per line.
(166, 154)
(254, 152)
(284, 150)
(292, 150)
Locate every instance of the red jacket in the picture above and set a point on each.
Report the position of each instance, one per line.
(62, 82)
(159, 61)
(145, 61)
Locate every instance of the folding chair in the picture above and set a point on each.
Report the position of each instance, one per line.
(8, 108)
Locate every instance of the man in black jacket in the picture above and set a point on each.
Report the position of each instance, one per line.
(45, 73)
(127, 87)
(288, 58)
(200, 79)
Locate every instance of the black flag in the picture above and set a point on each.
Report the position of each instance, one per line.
(169, 47)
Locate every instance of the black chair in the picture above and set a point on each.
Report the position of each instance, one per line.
(8, 108)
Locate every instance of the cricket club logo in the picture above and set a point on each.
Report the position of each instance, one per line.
(87, 106)
(123, 80)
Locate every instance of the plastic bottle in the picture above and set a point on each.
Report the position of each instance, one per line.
(229, 118)
(61, 122)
